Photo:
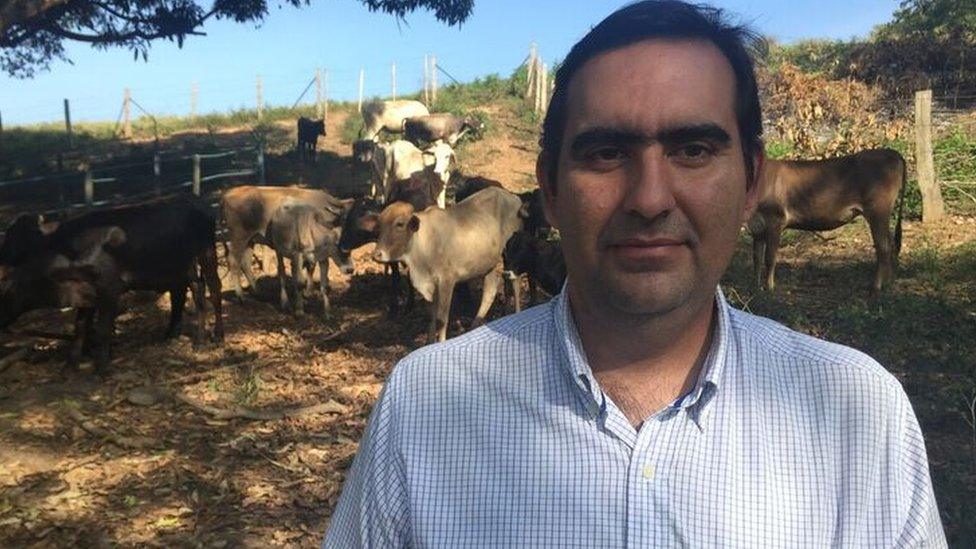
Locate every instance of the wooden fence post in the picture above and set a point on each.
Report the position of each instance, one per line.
(426, 80)
(530, 86)
(89, 186)
(325, 96)
(196, 175)
(127, 114)
(362, 75)
(260, 160)
(932, 206)
(318, 93)
(545, 87)
(158, 172)
(433, 79)
(260, 97)
(67, 124)
(194, 94)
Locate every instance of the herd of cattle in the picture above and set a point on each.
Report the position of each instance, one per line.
(89, 261)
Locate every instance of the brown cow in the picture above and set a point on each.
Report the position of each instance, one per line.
(439, 127)
(820, 195)
(247, 210)
(444, 247)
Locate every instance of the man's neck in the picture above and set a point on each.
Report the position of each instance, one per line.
(643, 364)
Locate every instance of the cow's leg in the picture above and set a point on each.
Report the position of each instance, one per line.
(772, 248)
(199, 292)
(81, 340)
(177, 301)
(247, 254)
(516, 289)
(324, 286)
(440, 309)
(104, 325)
(881, 235)
(283, 291)
(758, 257)
(392, 271)
(310, 281)
(235, 262)
(208, 269)
(492, 280)
(296, 276)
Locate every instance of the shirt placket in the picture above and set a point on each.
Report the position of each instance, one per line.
(648, 463)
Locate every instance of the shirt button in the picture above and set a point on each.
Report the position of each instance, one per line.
(648, 472)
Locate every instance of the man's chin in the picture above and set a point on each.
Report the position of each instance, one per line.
(645, 295)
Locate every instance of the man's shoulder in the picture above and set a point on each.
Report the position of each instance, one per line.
(784, 355)
(509, 347)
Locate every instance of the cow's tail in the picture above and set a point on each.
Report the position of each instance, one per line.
(901, 206)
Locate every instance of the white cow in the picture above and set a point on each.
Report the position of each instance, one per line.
(401, 160)
(388, 115)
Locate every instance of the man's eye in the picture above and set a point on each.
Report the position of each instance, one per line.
(693, 152)
(606, 154)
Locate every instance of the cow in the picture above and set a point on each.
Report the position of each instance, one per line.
(361, 225)
(465, 186)
(400, 160)
(305, 235)
(540, 259)
(443, 127)
(389, 116)
(246, 212)
(820, 195)
(442, 247)
(309, 131)
(87, 262)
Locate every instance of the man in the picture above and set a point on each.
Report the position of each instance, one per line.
(638, 409)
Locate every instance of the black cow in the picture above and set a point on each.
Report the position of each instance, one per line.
(89, 261)
(541, 260)
(308, 136)
(465, 186)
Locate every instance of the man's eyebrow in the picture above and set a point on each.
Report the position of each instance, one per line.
(707, 131)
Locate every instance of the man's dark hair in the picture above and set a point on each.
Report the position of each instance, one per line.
(651, 19)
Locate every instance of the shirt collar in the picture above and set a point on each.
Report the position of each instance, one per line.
(694, 402)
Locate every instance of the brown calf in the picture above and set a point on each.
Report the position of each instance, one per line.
(246, 212)
(820, 195)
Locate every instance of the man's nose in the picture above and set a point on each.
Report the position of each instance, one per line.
(650, 192)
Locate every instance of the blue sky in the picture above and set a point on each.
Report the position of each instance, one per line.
(341, 36)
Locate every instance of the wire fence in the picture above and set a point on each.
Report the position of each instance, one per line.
(165, 175)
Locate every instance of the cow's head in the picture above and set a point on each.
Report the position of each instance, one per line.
(397, 225)
(477, 126)
(441, 159)
(532, 213)
(361, 225)
(363, 150)
(319, 126)
(23, 237)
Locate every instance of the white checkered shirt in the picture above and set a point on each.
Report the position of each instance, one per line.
(503, 438)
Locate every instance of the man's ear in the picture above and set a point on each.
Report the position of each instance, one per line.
(755, 185)
(542, 172)
(414, 223)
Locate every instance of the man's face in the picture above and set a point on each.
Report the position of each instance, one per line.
(651, 188)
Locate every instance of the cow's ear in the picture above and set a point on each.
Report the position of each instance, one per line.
(369, 222)
(414, 223)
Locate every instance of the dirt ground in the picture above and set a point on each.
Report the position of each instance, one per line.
(148, 456)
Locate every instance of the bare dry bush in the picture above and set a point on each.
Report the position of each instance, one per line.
(824, 118)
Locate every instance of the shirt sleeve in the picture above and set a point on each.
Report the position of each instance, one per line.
(921, 525)
(373, 510)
